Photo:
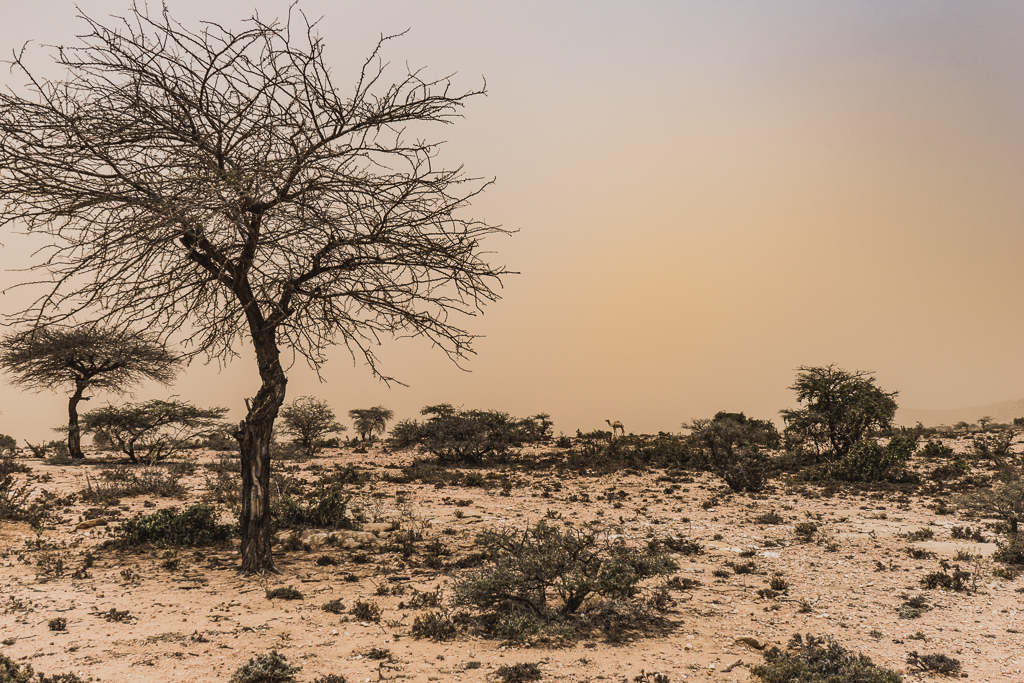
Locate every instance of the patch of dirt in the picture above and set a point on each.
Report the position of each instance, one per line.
(187, 616)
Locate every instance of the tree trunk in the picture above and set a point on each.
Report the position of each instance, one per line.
(254, 436)
(74, 431)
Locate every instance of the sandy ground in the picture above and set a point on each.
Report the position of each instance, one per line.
(193, 618)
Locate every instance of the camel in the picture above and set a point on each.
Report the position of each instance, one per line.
(616, 426)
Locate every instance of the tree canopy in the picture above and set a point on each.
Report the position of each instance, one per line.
(87, 357)
(369, 421)
(159, 427)
(309, 420)
(839, 408)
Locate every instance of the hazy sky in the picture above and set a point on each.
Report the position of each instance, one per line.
(708, 195)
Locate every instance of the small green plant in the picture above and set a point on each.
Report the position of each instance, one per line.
(957, 581)
(266, 668)
(196, 525)
(527, 569)
(57, 624)
(330, 678)
(12, 672)
(437, 626)
(651, 677)
(335, 606)
(922, 534)
(933, 663)
(811, 661)
(771, 518)
(366, 611)
(518, 673)
(805, 531)
(284, 593)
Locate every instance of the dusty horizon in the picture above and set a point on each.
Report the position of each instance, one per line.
(707, 198)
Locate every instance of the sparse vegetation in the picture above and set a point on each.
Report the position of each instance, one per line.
(266, 668)
(817, 661)
(196, 525)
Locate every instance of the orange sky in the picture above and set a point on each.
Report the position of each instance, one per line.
(708, 195)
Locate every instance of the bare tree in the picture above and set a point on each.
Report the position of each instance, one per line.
(216, 182)
(370, 420)
(89, 357)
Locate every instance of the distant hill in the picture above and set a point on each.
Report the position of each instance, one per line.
(1003, 412)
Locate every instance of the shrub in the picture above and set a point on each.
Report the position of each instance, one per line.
(517, 673)
(123, 482)
(936, 663)
(366, 611)
(933, 450)
(994, 447)
(957, 581)
(437, 626)
(324, 509)
(604, 455)
(456, 436)
(732, 445)
(812, 663)
(196, 525)
(14, 503)
(950, 470)
(8, 444)
(529, 568)
(12, 672)
(335, 606)
(284, 593)
(868, 461)
(57, 624)
(267, 668)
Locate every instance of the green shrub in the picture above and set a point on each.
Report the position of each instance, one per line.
(812, 663)
(14, 502)
(518, 673)
(868, 461)
(12, 672)
(933, 450)
(284, 593)
(605, 455)
(957, 581)
(268, 668)
(124, 482)
(732, 445)
(323, 510)
(195, 526)
(456, 436)
(437, 626)
(950, 470)
(935, 663)
(529, 569)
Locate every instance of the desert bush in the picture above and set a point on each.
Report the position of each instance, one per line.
(528, 569)
(457, 436)
(157, 428)
(518, 673)
(437, 626)
(933, 663)
(14, 502)
(123, 482)
(733, 446)
(813, 663)
(934, 450)
(322, 510)
(284, 593)
(12, 672)
(869, 461)
(219, 440)
(195, 526)
(365, 610)
(309, 420)
(1011, 552)
(994, 447)
(956, 467)
(839, 410)
(266, 668)
(957, 581)
(1005, 499)
(604, 456)
(8, 444)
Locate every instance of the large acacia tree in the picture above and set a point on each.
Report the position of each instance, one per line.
(216, 181)
(88, 357)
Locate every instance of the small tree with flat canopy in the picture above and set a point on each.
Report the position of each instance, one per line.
(309, 420)
(369, 421)
(162, 428)
(217, 185)
(90, 357)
